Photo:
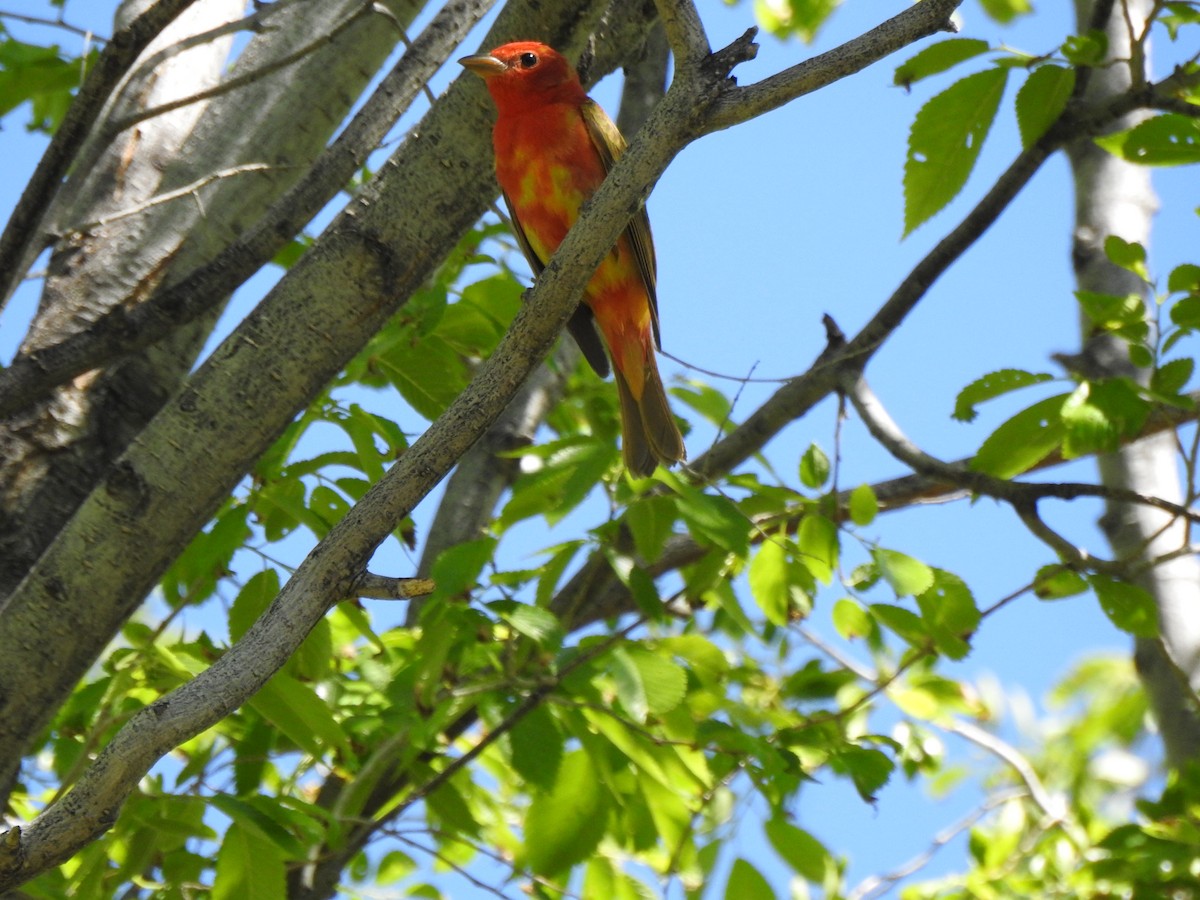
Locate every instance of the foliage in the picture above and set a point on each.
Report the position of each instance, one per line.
(505, 730)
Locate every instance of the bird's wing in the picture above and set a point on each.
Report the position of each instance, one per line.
(610, 145)
(581, 325)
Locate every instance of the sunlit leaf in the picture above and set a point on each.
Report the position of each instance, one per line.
(990, 386)
(945, 141)
(1041, 100)
(937, 58)
(1171, 139)
(1128, 606)
(1023, 441)
(563, 826)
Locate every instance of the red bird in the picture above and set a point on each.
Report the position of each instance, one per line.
(554, 145)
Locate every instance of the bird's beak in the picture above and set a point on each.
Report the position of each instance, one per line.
(483, 65)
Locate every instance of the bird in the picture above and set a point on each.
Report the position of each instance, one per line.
(554, 146)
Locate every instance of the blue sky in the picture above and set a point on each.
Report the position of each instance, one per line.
(763, 228)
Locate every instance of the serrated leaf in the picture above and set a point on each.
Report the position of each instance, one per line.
(901, 621)
(1041, 100)
(950, 613)
(747, 883)
(768, 577)
(563, 826)
(1023, 441)
(1086, 49)
(1004, 11)
(1128, 606)
(945, 141)
(906, 575)
(254, 597)
(713, 520)
(814, 467)
(254, 815)
(1099, 414)
(539, 625)
(1129, 255)
(296, 710)
(651, 521)
(992, 385)
(1167, 140)
(249, 867)
(869, 768)
(1054, 582)
(850, 619)
(428, 373)
(457, 569)
(1185, 277)
(937, 58)
(817, 546)
(1171, 377)
(799, 849)
(537, 747)
(863, 505)
(663, 681)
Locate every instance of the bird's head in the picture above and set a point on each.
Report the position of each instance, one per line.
(524, 71)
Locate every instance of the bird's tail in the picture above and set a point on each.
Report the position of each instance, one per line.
(647, 424)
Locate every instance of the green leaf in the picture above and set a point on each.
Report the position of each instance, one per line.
(252, 600)
(799, 849)
(564, 826)
(945, 141)
(814, 467)
(768, 577)
(249, 867)
(906, 575)
(664, 682)
(1054, 582)
(863, 505)
(1129, 255)
(713, 520)
(1086, 49)
(950, 613)
(1041, 100)
(428, 373)
(937, 58)
(747, 883)
(1184, 277)
(992, 385)
(903, 622)
(1128, 606)
(457, 569)
(850, 619)
(1004, 11)
(1170, 378)
(1167, 140)
(296, 710)
(651, 521)
(1099, 414)
(869, 769)
(537, 748)
(801, 18)
(817, 545)
(1023, 441)
(539, 625)
(254, 815)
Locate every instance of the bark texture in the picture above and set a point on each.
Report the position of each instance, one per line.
(1113, 197)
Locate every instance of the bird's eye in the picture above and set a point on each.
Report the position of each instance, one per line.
(528, 60)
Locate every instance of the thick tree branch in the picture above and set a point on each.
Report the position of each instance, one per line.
(115, 60)
(918, 21)
(125, 329)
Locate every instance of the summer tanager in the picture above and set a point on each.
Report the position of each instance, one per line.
(554, 145)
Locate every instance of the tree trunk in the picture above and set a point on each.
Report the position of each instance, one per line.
(1114, 197)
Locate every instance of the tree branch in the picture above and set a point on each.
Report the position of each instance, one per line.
(126, 329)
(118, 56)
